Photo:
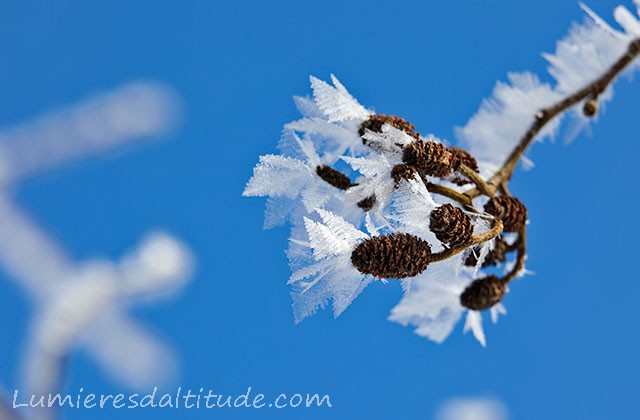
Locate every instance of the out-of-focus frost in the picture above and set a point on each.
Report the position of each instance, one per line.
(472, 409)
(132, 112)
(84, 303)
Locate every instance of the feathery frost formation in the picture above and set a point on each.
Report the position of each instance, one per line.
(370, 199)
(331, 219)
(580, 57)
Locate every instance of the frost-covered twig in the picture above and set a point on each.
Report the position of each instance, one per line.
(544, 116)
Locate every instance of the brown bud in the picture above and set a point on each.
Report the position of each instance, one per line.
(430, 157)
(483, 293)
(590, 107)
(397, 256)
(451, 225)
(367, 204)
(510, 210)
(375, 123)
(402, 171)
(495, 256)
(461, 156)
(333, 177)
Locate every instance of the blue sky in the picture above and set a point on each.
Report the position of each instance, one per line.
(568, 347)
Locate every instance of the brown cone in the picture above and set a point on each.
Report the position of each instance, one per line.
(402, 171)
(397, 256)
(483, 293)
(590, 107)
(451, 225)
(333, 177)
(495, 256)
(367, 204)
(461, 156)
(510, 210)
(430, 157)
(375, 123)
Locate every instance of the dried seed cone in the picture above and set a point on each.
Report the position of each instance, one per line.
(333, 177)
(430, 157)
(451, 225)
(367, 204)
(497, 255)
(375, 123)
(590, 108)
(402, 171)
(397, 256)
(462, 157)
(483, 293)
(510, 210)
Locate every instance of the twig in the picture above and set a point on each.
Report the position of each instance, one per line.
(496, 229)
(505, 189)
(521, 247)
(448, 192)
(592, 90)
(481, 185)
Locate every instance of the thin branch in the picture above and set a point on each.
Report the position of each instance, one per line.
(505, 189)
(512, 247)
(448, 192)
(481, 185)
(592, 90)
(496, 229)
(521, 246)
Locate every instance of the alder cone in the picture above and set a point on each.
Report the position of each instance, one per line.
(590, 107)
(451, 225)
(397, 256)
(462, 157)
(483, 293)
(367, 203)
(429, 157)
(510, 210)
(402, 171)
(333, 177)
(375, 123)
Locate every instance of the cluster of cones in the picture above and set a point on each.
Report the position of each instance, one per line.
(403, 255)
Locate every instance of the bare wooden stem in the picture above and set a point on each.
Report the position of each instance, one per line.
(521, 247)
(448, 192)
(474, 177)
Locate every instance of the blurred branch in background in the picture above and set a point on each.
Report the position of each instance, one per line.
(84, 303)
(133, 112)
